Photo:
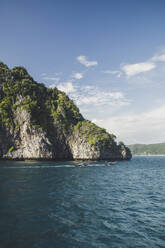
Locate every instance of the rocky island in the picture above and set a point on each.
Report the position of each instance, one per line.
(37, 122)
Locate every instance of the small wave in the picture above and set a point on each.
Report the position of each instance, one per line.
(50, 166)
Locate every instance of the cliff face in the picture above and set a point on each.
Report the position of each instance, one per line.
(27, 141)
(41, 123)
(89, 141)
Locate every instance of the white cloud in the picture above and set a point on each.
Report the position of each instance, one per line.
(134, 69)
(145, 127)
(88, 87)
(159, 58)
(97, 98)
(67, 87)
(102, 99)
(118, 73)
(150, 64)
(83, 60)
(78, 75)
(89, 96)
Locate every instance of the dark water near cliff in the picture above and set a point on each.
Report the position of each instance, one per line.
(55, 205)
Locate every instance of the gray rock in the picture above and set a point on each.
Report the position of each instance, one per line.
(28, 142)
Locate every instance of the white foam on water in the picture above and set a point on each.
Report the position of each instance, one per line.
(51, 166)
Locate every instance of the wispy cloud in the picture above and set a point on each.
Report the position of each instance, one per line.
(92, 96)
(145, 127)
(67, 87)
(134, 69)
(83, 60)
(101, 98)
(118, 73)
(158, 58)
(77, 75)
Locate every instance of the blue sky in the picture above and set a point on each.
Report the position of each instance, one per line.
(109, 56)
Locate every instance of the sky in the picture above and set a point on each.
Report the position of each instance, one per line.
(107, 55)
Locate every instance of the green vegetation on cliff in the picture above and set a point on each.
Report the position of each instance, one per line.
(94, 134)
(29, 111)
(151, 149)
(48, 107)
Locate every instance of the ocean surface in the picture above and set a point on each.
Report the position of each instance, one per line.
(56, 205)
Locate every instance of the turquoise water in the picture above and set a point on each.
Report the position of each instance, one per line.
(55, 205)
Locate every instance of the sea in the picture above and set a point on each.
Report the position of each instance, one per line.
(58, 205)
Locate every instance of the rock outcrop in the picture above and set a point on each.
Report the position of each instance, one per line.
(41, 123)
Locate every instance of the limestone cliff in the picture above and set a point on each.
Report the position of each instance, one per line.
(41, 123)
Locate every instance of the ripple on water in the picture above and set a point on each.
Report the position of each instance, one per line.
(57, 205)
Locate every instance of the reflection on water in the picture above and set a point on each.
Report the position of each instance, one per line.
(47, 204)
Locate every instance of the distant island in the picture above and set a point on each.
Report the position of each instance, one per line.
(151, 149)
(37, 122)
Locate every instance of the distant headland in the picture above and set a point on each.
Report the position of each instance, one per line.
(150, 149)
